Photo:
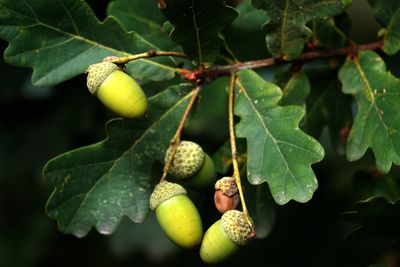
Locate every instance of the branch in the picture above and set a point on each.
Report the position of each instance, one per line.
(217, 71)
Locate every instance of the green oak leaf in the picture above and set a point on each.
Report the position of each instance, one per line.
(286, 25)
(249, 18)
(295, 87)
(59, 39)
(143, 17)
(331, 32)
(197, 26)
(377, 123)
(387, 13)
(98, 184)
(278, 152)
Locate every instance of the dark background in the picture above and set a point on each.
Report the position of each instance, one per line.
(37, 124)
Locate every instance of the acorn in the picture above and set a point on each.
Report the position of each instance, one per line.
(192, 165)
(226, 195)
(117, 90)
(176, 214)
(225, 237)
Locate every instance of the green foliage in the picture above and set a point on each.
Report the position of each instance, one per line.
(278, 152)
(295, 88)
(331, 32)
(286, 25)
(388, 15)
(142, 18)
(98, 184)
(59, 40)
(198, 26)
(377, 124)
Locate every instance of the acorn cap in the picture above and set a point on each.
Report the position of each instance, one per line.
(236, 227)
(227, 185)
(188, 159)
(97, 73)
(164, 191)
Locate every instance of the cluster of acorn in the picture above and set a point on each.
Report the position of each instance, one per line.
(179, 217)
(175, 212)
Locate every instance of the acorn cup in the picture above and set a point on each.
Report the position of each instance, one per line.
(192, 165)
(226, 195)
(225, 237)
(116, 90)
(176, 214)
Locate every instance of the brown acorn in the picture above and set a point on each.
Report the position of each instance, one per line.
(226, 195)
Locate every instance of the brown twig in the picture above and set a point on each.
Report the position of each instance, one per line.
(176, 139)
(149, 54)
(236, 171)
(217, 71)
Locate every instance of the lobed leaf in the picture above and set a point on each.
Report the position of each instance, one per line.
(387, 13)
(143, 17)
(295, 88)
(197, 26)
(286, 25)
(377, 123)
(249, 18)
(332, 32)
(59, 39)
(98, 184)
(278, 152)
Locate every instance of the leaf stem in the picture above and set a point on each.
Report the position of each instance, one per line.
(176, 139)
(236, 170)
(149, 54)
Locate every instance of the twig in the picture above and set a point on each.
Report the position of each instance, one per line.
(236, 171)
(148, 54)
(176, 139)
(217, 71)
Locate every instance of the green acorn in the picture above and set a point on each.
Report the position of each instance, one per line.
(176, 214)
(117, 90)
(192, 165)
(225, 236)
